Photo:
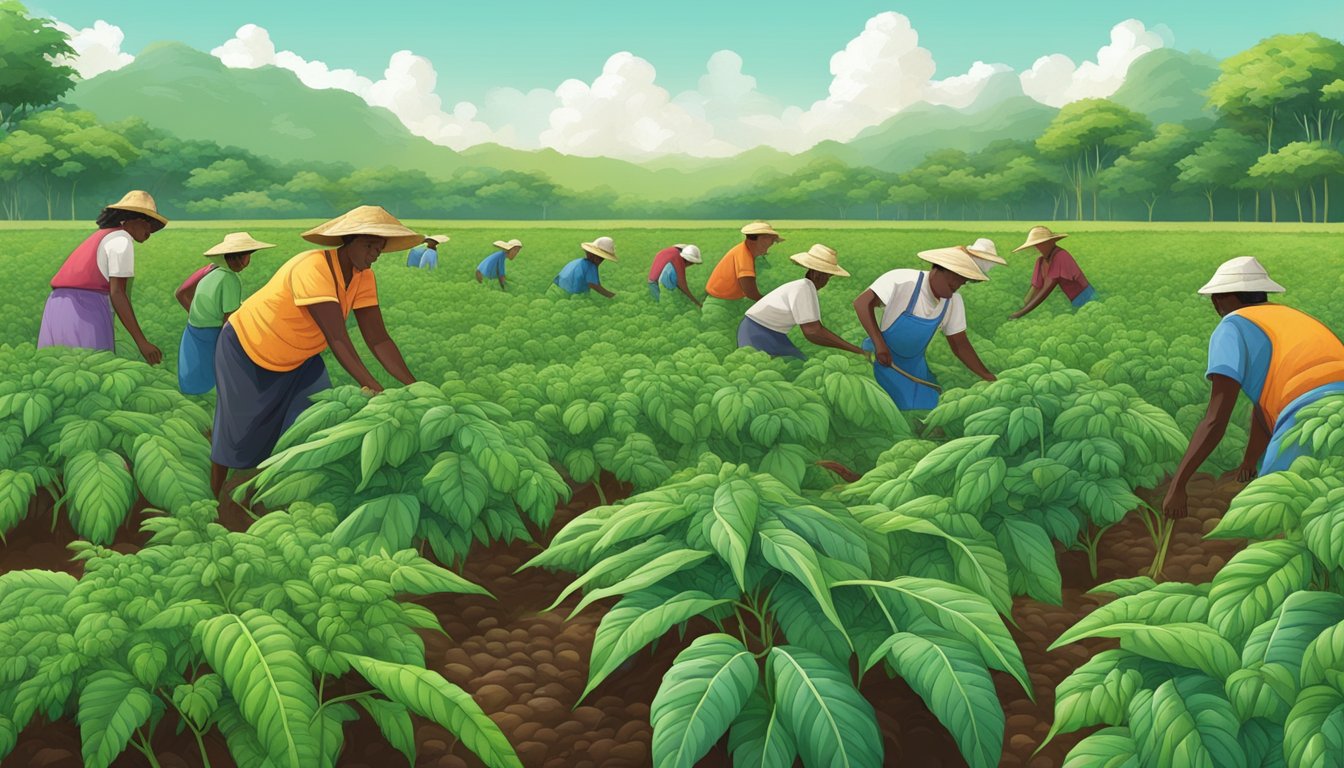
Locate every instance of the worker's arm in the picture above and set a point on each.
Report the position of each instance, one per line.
(1257, 440)
(965, 352)
(327, 315)
(598, 287)
(502, 286)
(380, 343)
(748, 285)
(1036, 300)
(120, 298)
(1208, 434)
(821, 335)
(682, 287)
(866, 306)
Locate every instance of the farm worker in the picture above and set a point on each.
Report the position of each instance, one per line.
(734, 277)
(917, 304)
(767, 323)
(95, 281)
(1281, 358)
(493, 265)
(985, 255)
(269, 358)
(210, 301)
(1054, 267)
(426, 254)
(580, 275)
(669, 270)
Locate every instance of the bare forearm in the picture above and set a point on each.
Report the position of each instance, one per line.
(689, 295)
(748, 286)
(1037, 299)
(602, 291)
(868, 320)
(966, 353)
(389, 355)
(1257, 439)
(344, 352)
(1206, 438)
(121, 304)
(823, 336)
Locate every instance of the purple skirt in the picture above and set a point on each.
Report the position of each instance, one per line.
(74, 317)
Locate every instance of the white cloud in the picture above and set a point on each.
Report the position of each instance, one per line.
(1056, 81)
(961, 91)
(97, 48)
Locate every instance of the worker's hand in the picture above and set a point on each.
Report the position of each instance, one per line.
(1175, 505)
(866, 355)
(883, 355)
(150, 352)
(1247, 472)
(370, 391)
(1015, 315)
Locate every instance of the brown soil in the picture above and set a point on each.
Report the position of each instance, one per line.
(527, 668)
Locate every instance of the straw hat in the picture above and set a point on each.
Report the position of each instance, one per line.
(689, 252)
(440, 239)
(508, 244)
(139, 201)
(365, 220)
(821, 258)
(237, 242)
(1242, 274)
(985, 254)
(1039, 235)
(761, 228)
(957, 259)
(602, 246)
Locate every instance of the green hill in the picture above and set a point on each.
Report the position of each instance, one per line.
(1169, 86)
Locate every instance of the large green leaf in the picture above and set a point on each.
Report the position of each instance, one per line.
(421, 577)
(101, 493)
(1313, 734)
(955, 686)
(390, 521)
(9, 737)
(833, 724)
(1097, 692)
(395, 723)
(731, 523)
(1163, 604)
(1323, 661)
(1284, 638)
(980, 566)
(1324, 536)
(617, 566)
(1030, 557)
(1185, 644)
(373, 450)
(1186, 723)
(16, 490)
(699, 698)
(1262, 741)
(1253, 584)
(260, 665)
(759, 738)
(167, 481)
(1267, 507)
(1107, 748)
(111, 706)
(637, 620)
(792, 555)
(429, 695)
(798, 615)
(455, 488)
(244, 745)
(1262, 690)
(646, 575)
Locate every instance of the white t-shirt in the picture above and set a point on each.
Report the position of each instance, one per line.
(894, 289)
(788, 305)
(116, 255)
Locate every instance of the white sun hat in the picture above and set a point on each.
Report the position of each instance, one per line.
(821, 258)
(1244, 274)
(440, 239)
(985, 254)
(957, 259)
(604, 247)
(761, 228)
(689, 252)
(507, 244)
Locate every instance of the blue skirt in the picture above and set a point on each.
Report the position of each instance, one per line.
(752, 334)
(1279, 457)
(196, 360)
(1089, 294)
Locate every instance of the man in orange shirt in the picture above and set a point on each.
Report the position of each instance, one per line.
(734, 277)
(268, 361)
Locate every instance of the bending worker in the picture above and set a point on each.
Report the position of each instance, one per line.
(494, 265)
(580, 275)
(1279, 357)
(916, 305)
(767, 323)
(734, 277)
(1054, 267)
(669, 270)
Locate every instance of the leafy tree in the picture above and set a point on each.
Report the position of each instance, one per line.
(1219, 163)
(29, 75)
(1085, 136)
(1292, 167)
(1020, 180)
(909, 195)
(22, 155)
(1281, 76)
(1149, 170)
(81, 148)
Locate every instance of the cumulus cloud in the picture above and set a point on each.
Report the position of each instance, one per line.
(97, 48)
(1056, 80)
(251, 47)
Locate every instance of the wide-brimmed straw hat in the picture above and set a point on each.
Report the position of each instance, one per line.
(139, 201)
(365, 220)
(690, 253)
(821, 258)
(602, 246)
(761, 228)
(1244, 274)
(1039, 235)
(957, 259)
(985, 254)
(440, 239)
(508, 244)
(237, 242)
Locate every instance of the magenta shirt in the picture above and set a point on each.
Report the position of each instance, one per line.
(1064, 270)
(668, 255)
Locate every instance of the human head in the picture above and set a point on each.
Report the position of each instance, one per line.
(135, 213)
(363, 234)
(944, 282)
(238, 261)
(1239, 282)
(236, 249)
(1042, 239)
(690, 253)
(362, 250)
(821, 264)
(759, 237)
(509, 247)
(952, 268)
(434, 241)
(599, 250)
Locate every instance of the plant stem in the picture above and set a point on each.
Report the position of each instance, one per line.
(1160, 559)
(205, 759)
(347, 697)
(143, 746)
(597, 486)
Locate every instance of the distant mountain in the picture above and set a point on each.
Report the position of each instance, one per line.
(1169, 86)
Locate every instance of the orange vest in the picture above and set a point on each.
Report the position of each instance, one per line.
(1305, 354)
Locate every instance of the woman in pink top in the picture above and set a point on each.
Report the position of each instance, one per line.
(1054, 267)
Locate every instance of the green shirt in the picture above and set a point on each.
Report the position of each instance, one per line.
(218, 292)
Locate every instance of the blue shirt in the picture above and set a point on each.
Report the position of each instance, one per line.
(577, 276)
(413, 258)
(493, 265)
(1239, 350)
(669, 277)
(429, 259)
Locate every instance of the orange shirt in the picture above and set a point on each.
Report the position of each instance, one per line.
(738, 262)
(272, 325)
(1305, 354)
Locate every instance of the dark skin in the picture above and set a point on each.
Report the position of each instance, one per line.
(510, 255)
(236, 261)
(758, 246)
(598, 286)
(819, 334)
(120, 296)
(686, 289)
(1222, 399)
(357, 255)
(944, 283)
(1037, 297)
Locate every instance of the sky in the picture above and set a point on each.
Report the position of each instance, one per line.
(716, 76)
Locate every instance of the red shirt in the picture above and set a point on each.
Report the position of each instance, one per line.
(1063, 270)
(667, 256)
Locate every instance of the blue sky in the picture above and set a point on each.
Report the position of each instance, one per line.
(785, 45)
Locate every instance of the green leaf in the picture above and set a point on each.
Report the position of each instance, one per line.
(421, 577)
(791, 554)
(980, 566)
(166, 481)
(1313, 734)
(1188, 723)
(1163, 604)
(699, 698)
(1107, 748)
(955, 686)
(646, 575)
(1185, 644)
(637, 620)
(101, 494)
(455, 488)
(759, 738)
(9, 736)
(183, 614)
(199, 699)
(16, 490)
(1254, 583)
(260, 665)
(1030, 558)
(395, 723)
(831, 721)
(1262, 690)
(1323, 661)
(429, 695)
(617, 566)
(373, 451)
(390, 521)
(797, 614)
(1124, 587)
(111, 706)
(1284, 638)
(1097, 692)
(244, 745)
(730, 524)
(1324, 536)
(1107, 500)
(944, 459)
(1267, 507)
